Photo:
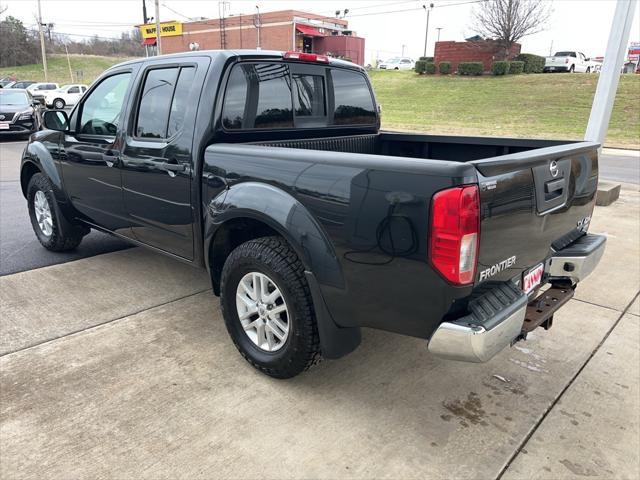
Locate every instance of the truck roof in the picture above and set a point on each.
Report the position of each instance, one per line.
(245, 53)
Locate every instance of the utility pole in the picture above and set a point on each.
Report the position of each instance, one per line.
(42, 48)
(68, 62)
(158, 31)
(426, 31)
(439, 28)
(610, 73)
(256, 23)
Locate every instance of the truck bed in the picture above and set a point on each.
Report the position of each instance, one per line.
(411, 145)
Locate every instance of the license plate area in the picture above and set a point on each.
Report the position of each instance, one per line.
(4, 126)
(532, 278)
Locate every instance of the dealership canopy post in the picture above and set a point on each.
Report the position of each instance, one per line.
(158, 29)
(611, 68)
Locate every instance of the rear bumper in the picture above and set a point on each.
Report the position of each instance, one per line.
(578, 260)
(497, 313)
(553, 68)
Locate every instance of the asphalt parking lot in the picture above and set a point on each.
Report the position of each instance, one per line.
(119, 366)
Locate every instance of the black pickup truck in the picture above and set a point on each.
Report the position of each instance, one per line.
(269, 170)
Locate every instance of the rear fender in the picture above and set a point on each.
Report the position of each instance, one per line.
(285, 215)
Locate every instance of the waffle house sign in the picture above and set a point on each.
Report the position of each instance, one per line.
(167, 29)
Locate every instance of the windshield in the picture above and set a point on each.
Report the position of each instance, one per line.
(564, 54)
(394, 60)
(13, 98)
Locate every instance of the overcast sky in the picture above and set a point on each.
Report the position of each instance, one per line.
(387, 25)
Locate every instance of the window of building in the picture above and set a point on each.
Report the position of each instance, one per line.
(353, 103)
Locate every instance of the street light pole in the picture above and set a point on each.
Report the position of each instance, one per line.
(439, 28)
(42, 48)
(610, 73)
(426, 31)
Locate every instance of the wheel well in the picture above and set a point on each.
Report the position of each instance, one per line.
(229, 236)
(28, 171)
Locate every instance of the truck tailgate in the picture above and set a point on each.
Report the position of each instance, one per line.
(532, 203)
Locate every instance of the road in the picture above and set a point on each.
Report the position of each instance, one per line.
(19, 248)
(20, 251)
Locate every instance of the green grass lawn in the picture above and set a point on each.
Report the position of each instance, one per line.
(534, 106)
(90, 65)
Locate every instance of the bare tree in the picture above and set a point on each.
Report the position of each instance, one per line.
(507, 21)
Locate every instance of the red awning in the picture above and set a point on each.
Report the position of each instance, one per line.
(149, 41)
(309, 31)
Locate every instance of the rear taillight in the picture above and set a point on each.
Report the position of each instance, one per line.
(455, 233)
(306, 57)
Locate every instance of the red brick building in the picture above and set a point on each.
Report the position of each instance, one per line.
(473, 50)
(283, 30)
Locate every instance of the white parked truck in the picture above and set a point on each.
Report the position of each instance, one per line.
(568, 61)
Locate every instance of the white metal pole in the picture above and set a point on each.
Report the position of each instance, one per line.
(610, 74)
(158, 31)
(42, 48)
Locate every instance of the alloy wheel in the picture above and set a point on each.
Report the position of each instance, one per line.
(43, 213)
(262, 311)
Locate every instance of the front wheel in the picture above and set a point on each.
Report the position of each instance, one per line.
(267, 307)
(54, 232)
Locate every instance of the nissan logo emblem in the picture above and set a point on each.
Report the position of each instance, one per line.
(553, 168)
(1, 117)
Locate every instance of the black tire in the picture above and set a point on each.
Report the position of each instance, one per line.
(588, 70)
(59, 104)
(273, 257)
(64, 236)
(572, 69)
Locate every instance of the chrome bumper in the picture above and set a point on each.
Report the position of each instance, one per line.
(498, 312)
(495, 321)
(578, 260)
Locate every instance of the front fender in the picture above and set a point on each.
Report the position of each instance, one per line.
(286, 215)
(43, 151)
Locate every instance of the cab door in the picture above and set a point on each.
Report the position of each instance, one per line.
(90, 153)
(158, 160)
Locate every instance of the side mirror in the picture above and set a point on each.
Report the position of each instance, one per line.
(56, 120)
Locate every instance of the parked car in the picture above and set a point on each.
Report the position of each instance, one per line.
(18, 113)
(398, 63)
(39, 90)
(568, 61)
(311, 222)
(21, 84)
(5, 81)
(67, 95)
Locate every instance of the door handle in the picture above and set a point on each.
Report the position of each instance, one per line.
(110, 160)
(554, 185)
(173, 167)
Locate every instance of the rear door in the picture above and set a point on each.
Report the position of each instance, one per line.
(157, 158)
(531, 204)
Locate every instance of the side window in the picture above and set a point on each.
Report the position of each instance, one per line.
(309, 96)
(353, 103)
(100, 113)
(180, 99)
(155, 103)
(84, 89)
(73, 90)
(258, 96)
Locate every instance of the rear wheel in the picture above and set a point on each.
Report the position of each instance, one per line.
(267, 307)
(588, 70)
(572, 68)
(59, 104)
(54, 232)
